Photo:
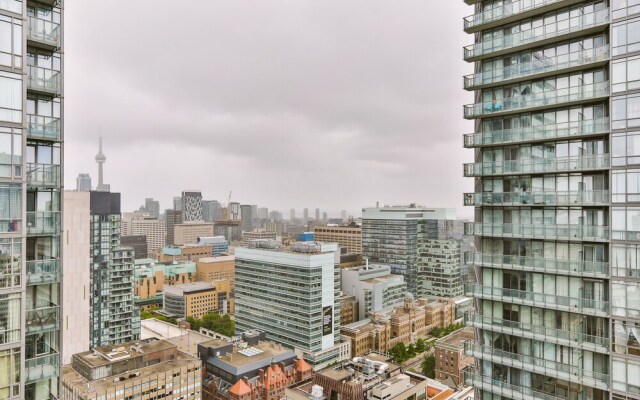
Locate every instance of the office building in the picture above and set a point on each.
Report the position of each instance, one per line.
(349, 310)
(275, 215)
(374, 287)
(177, 203)
(191, 206)
(211, 210)
(263, 213)
(219, 244)
(150, 278)
(185, 252)
(317, 214)
(305, 215)
(556, 217)
(229, 229)
(171, 219)
(138, 243)
(152, 207)
(114, 317)
(234, 211)
(417, 242)
(216, 268)
(258, 234)
(189, 232)
(246, 217)
(293, 294)
(139, 369)
(31, 168)
(347, 236)
(292, 214)
(76, 258)
(195, 299)
(154, 231)
(450, 357)
(83, 183)
(324, 217)
(343, 216)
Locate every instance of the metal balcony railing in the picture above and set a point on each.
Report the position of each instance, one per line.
(572, 198)
(495, 14)
(537, 165)
(539, 231)
(497, 385)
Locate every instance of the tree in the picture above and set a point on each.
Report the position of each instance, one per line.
(411, 350)
(399, 353)
(429, 366)
(420, 345)
(435, 332)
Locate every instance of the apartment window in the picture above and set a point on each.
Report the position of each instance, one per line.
(10, 365)
(14, 6)
(10, 97)
(10, 41)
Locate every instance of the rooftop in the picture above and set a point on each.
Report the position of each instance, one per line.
(188, 288)
(265, 350)
(184, 339)
(105, 355)
(457, 338)
(216, 259)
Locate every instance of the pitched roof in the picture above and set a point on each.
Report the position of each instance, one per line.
(240, 388)
(302, 365)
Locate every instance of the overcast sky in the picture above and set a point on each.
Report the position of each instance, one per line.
(334, 104)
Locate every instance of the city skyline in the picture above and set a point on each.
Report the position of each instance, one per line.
(305, 112)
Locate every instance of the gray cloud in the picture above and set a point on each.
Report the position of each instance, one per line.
(332, 104)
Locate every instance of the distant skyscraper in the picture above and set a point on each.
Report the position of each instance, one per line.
(211, 210)
(343, 216)
(83, 183)
(275, 215)
(305, 214)
(263, 213)
(112, 322)
(292, 214)
(171, 219)
(152, 207)
(324, 217)
(177, 203)
(234, 210)
(101, 159)
(191, 206)
(317, 214)
(246, 217)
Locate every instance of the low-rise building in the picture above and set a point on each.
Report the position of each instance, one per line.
(347, 236)
(257, 234)
(215, 268)
(140, 369)
(190, 252)
(450, 357)
(189, 232)
(150, 278)
(219, 244)
(374, 287)
(197, 299)
(404, 324)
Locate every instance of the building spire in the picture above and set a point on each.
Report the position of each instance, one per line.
(101, 159)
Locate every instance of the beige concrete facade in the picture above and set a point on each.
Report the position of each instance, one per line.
(198, 298)
(187, 252)
(187, 233)
(215, 268)
(349, 237)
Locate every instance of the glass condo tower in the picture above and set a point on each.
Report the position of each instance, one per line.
(30, 189)
(556, 143)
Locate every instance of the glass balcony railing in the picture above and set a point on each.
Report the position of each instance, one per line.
(537, 165)
(583, 197)
(43, 222)
(43, 175)
(535, 299)
(539, 66)
(41, 127)
(44, 80)
(44, 367)
(11, 225)
(538, 264)
(495, 14)
(542, 333)
(43, 319)
(45, 32)
(539, 231)
(498, 386)
(531, 133)
(536, 100)
(538, 365)
(43, 271)
(552, 31)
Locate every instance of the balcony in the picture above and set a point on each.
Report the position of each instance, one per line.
(40, 272)
(536, 101)
(538, 68)
(588, 127)
(44, 80)
(506, 390)
(44, 367)
(595, 269)
(537, 165)
(511, 12)
(558, 336)
(549, 198)
(43, 319)
(43, 223)
(45, 34)
(539, 231)
(11, 225)
(538, 365)
(41, 127)
(576, 26)
(534, 299)
(43, 175)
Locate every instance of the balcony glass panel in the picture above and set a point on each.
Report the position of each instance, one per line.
(537, 165)
(538, 264)
(537, 299)
(499, 386)
(41, 127)
(550, 31)
(551, 368)
(542, 231)
(548, 98)
(43, 175)
(547, 64)
(43, 80)
(529, 133)
(585, 197)
(40, 368)
(42, 31)
(43, 223)
(43, 319)
(517, 328)
(43, 271)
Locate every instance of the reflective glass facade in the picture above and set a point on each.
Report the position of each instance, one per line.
(557, 210)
